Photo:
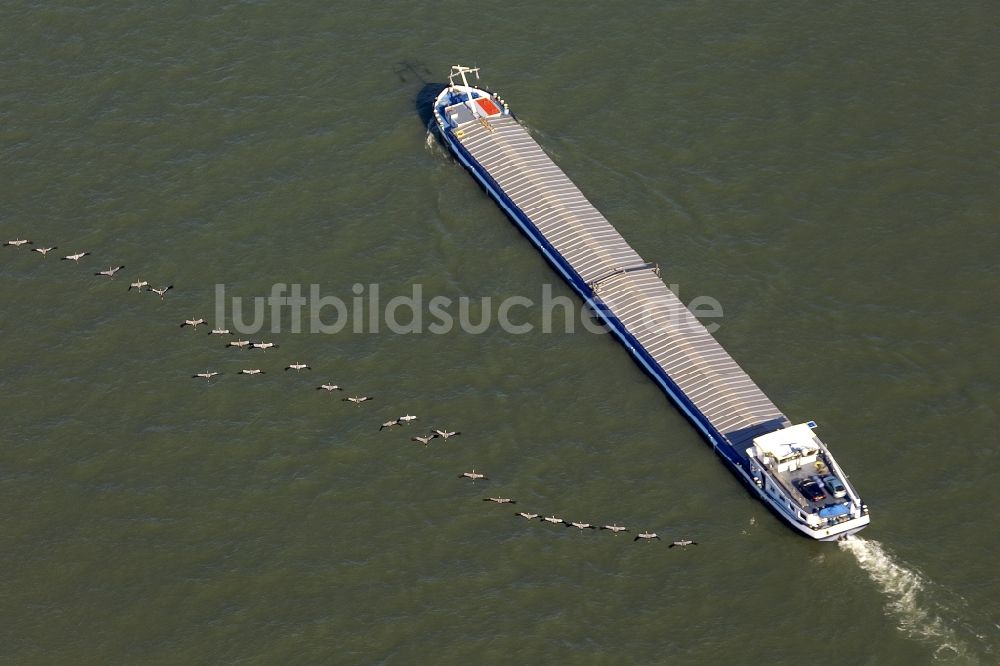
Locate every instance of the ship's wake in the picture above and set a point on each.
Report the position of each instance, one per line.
(922, 610)
(433, 143)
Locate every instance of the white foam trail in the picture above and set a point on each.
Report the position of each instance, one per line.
(908, 600)
(433, 145)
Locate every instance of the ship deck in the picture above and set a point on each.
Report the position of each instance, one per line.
(620, 280)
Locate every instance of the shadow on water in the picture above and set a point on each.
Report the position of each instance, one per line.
(407, 71)
(417, 72)
(425, 101)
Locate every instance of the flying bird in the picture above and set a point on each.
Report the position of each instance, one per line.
(19, 242)
(195, 323)
(220, 331)
(406, 418)
(252, 371)
(645, 536)
(205, 375)
(614, 528)
(44, 250)
(239, 344)
(526, 515)
(328, 387)
(425, 440)
(473, 475)
(263, 345)
(581, 526)
(553, 519)
(444, 434)
(138, 284)
(110, 272)
(683, 543)
(75, 257)
(387, 424)
(500, 500)
(298, 366)
(358, 399)
(160, 292)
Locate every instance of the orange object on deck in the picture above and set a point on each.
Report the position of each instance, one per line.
(487, 105)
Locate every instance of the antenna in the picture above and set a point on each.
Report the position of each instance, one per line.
(462, 70)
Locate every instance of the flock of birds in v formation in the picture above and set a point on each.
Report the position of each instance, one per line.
(436, 433)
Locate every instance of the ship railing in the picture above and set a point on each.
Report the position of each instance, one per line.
(834, 468)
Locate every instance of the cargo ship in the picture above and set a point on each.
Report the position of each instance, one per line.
(783, 463)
